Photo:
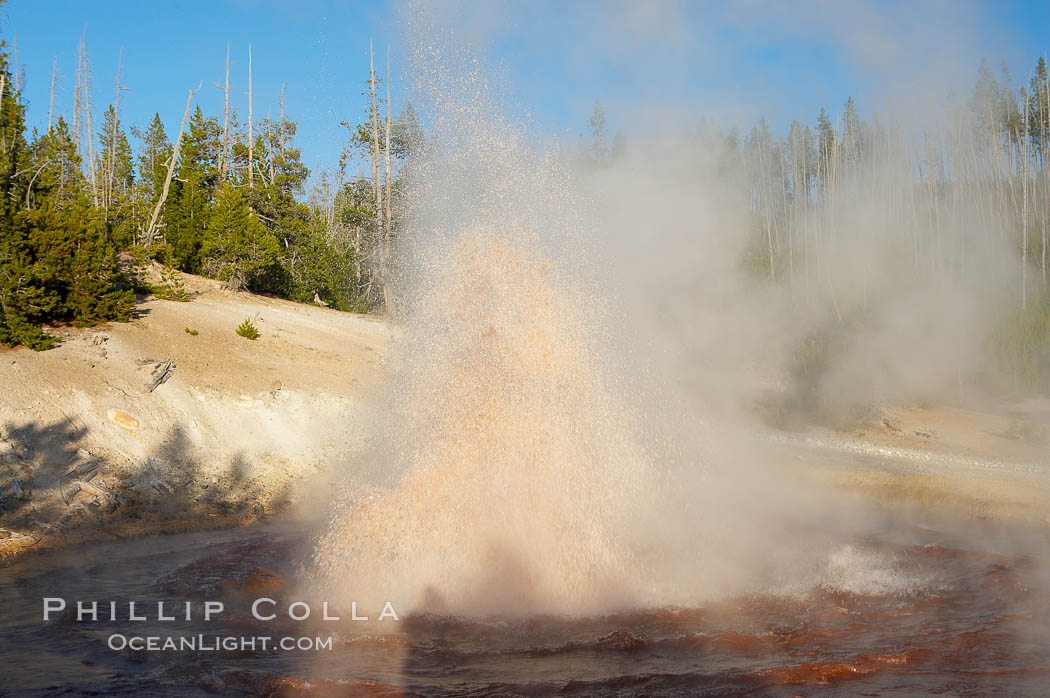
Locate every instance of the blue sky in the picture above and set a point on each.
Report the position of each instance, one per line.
(730, 61)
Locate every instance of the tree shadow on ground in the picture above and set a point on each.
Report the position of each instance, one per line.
(50, 482)
(179, 483)
(34, 457)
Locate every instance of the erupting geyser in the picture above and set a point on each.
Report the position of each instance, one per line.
(520, 473)
(522, 464)
(510, 461)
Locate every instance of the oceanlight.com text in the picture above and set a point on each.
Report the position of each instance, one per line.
(217, 643)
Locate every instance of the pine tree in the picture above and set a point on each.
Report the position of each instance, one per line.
(153, 158)
(325, 265)
(598, 148)
(1009, 115)
(187, 211)
(55, 260)
(236, 246)
(274, 202)
(116, 177)
(825, 149)
(289, 172)
(984, 101)
(1039, 109)
(852, 136)
(407, 140)
(24, 301)
(58, 174)
(115, 155)
(77, 263)
(803, 158)
(73, 257)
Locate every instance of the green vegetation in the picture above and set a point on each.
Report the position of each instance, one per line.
(248, 330)
(192, 333)
(1020, 345)
(82, 214)
(58, 253)
(171, 287)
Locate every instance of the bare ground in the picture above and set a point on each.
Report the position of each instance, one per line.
(234, 434)
(987, 464)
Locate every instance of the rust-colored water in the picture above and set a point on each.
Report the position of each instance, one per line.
(975, 625)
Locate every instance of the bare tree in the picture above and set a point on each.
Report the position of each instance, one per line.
(82, 110)
(251, 135)
(1024, 215)
(151, 231)
(111, 146)
(77, 105)
(387, 229)
(269, 148)
(20, 71)
(51, 102)
(223, 158)
(376, 186)
(1044, 127)
(280, 127)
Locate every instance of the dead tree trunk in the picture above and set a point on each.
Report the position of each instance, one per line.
(86, 105)
(357, 232)
(1024, 216)
(1044, 109)
(18, 74)
(375, 158)
(225, 119)
(388, 300)
(111, 146)
(251, 134)
(280, 133)
(388, 228)
(51, 103)
(152, 229)
(77, 105)
(269, 148)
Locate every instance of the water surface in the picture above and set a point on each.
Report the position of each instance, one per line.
(974, 624)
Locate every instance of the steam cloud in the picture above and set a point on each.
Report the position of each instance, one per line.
(569, 329)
